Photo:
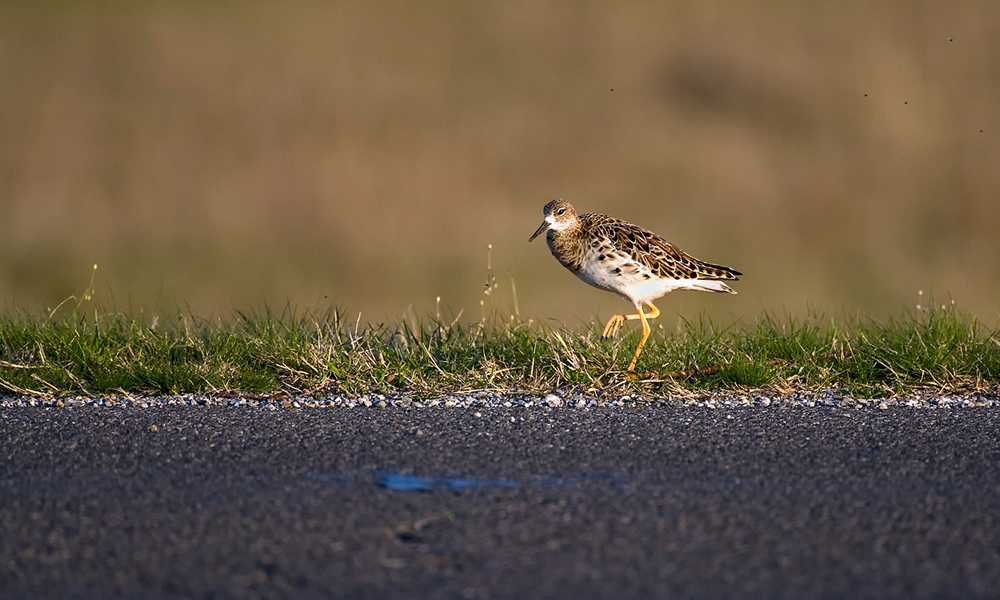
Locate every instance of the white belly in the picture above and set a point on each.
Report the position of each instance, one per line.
(635, 282)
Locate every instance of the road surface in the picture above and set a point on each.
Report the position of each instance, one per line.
(494, 502)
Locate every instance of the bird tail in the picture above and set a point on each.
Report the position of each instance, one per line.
(710, 271)
(710, 285)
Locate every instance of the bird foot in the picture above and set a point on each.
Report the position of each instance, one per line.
(613, 325)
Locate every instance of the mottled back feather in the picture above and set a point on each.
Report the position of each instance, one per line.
(645, 247)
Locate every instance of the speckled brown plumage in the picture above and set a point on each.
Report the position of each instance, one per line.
(626, 259)
(607, 235)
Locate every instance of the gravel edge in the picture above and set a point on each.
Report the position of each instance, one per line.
(570, 398)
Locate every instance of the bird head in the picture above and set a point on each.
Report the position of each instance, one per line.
(559, 215)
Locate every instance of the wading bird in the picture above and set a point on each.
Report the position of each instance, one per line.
(628, 260)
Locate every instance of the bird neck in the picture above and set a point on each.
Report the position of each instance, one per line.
(568, 245)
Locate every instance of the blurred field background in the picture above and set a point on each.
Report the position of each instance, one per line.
(217, 156)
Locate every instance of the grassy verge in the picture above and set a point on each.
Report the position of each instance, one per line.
(316, 352)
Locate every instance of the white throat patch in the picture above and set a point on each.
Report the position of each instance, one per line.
(556, 225)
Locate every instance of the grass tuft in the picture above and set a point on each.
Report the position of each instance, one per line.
(315, 352)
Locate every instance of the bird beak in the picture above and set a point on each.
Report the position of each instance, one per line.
(541, 228)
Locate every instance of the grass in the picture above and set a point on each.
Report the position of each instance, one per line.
(90, 351)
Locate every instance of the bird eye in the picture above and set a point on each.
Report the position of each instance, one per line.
(560, 211)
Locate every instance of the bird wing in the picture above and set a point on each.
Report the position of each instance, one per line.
(657, 254)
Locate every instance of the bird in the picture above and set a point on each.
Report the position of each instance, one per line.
(628, 260)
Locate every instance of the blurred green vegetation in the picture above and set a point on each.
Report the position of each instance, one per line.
(843, 155)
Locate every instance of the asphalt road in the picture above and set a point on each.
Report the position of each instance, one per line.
(217, 502)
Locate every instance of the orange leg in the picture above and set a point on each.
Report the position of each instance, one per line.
(645, 334)
(615, 323)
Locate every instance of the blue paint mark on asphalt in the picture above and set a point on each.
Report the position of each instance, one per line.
(413, 483)
(392, 480)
